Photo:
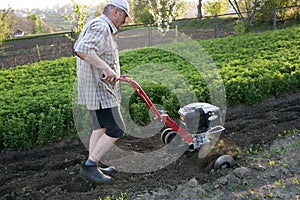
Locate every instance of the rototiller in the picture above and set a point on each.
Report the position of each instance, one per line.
(197, 121)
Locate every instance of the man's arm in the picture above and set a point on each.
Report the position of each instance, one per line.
(109, 74)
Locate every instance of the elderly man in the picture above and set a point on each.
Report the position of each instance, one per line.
(98, 70)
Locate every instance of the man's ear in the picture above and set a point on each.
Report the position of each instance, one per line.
(115, 11)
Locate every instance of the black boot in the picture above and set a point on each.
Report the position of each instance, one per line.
(107, 170)
(93, 174)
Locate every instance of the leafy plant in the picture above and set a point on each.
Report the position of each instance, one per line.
(241, 27)
(36, 100)
(77, 18)
(36, 106)
(164, 12)
(158, 94)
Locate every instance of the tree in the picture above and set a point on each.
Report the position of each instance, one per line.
(150, 11)
(77, 17)
(6, 24)
(216, 7)
(250, 6)
(263, 10)
(165, 12)
(199, 9)
(141, 12)
(267, 8)
(39, 26)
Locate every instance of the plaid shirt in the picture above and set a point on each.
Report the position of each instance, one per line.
(97, 37)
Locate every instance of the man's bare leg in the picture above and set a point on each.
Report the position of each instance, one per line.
(89, 170)
(96, 134)
(104, 144)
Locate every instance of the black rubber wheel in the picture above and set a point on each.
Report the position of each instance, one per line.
(169, 137)
(225, 161)
(164, 134)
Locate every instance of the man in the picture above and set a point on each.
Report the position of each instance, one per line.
(98, 70)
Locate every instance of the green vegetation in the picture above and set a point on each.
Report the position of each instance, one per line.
(215, 8)
(158, 94)
(6, 21)
(39, 25)
(229, 23)
(267, 6)
(157, 12)
(35, 103)
(36, 100)
(77, 17)
(256, 66)
(122, 197)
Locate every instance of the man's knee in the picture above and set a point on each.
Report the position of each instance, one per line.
(116, 131)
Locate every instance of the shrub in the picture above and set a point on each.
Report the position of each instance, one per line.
(36, 103)
(158, 94)
(36, 100)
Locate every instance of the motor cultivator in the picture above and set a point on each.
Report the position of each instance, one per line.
(197, 121)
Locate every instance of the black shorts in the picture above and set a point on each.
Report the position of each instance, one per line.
(110, 119)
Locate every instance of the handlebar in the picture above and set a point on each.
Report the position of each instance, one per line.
(163, 118)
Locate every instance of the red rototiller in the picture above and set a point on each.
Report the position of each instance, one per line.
(197, 121)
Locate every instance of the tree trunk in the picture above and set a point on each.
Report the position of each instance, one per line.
(199, 7)
(236, 8)
(251, 18)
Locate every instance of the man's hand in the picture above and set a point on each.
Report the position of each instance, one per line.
(109, 72)
(110, 75)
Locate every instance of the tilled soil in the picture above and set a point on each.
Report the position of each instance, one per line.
(51, 172)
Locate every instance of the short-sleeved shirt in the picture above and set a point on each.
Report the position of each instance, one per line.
(97, 37)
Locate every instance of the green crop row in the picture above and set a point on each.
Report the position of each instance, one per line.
(256, 66)
(36, 101)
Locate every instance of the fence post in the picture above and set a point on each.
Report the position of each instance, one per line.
(176, 33)
(274, 18)
(150, 34)
(38, 52)
(216, 26)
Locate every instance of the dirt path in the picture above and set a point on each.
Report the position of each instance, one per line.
(51, 172)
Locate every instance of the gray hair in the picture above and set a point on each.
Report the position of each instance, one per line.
(107, 8)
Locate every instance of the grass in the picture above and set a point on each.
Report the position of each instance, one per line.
(228, 23)
(204, 23)
(123, 196)
(288, 133)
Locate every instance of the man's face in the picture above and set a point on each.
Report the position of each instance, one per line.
(120, 17)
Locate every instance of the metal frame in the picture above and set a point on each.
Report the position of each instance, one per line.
(163, 117)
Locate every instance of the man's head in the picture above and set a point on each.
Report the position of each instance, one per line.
(123, 5)
(118, 12)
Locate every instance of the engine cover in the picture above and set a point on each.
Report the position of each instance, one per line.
(199, 117)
